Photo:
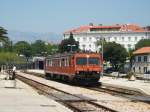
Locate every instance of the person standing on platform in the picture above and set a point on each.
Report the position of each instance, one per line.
(14, 73)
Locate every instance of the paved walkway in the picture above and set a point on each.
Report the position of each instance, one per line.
(24, 99)
(138, 85)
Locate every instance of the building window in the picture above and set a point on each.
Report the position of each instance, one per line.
(129, 45)
(140, 69)
(97, 38)
(145, 69)
(139, 58)
(78, 39)
(133, 69)
(122, 38)
(90, 46)
(108, 38)
(90, 38)
(135, 38)
(145, 58)
(129, 38)
(115, 38)
(83, 47)
(84, 38)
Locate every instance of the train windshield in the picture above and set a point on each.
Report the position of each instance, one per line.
(93, 61)
(81, 61)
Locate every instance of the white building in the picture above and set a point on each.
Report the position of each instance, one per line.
(141, 62)
(127, 35)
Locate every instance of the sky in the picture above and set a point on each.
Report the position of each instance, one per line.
(61, 15)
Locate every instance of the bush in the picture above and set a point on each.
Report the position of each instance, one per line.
(130, 74)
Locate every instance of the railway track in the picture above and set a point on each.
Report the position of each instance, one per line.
(130, 94)
(74, 102)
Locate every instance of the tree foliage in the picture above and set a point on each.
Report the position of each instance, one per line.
(38, 47)
(10, 58)
(142, 43)
(23, 48)
(115, 54)
(51, 49)
(4, 40)
(69, 44)
(3, 32)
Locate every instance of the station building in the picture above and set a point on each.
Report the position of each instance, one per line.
(125, 34)
(141, 61)
(38, 62)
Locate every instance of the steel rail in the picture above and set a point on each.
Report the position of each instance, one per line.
(70, 104)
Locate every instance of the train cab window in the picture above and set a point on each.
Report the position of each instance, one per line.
(93, 61)
(81, 61)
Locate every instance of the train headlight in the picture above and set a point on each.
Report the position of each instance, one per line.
(77, 72)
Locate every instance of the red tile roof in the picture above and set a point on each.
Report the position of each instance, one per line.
(132, 27)
(120, 27)
(143, 50)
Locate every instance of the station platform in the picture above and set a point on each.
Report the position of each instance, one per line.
(23, 98)
(137, 85)
(141, 86)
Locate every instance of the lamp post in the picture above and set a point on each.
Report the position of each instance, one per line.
(102, 53)
(102, 56)
(71, 46)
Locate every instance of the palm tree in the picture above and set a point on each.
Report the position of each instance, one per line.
(3, 32)
(4, 40)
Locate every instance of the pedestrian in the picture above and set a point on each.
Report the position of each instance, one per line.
(14, 73)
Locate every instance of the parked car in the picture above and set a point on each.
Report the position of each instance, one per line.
(109, 70)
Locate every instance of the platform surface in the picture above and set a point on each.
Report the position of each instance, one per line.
(24, 99)
(137, 85)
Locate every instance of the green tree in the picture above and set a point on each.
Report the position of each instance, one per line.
(3, 37)
(8, 58)
(115, 54)
(38, 47)
(4, 40)
(24, 48)
(51, 49)
(142, 43)
(69, 44)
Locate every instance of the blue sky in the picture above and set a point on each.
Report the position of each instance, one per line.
(60, 15)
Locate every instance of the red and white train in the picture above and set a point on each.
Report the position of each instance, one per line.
(74, 67)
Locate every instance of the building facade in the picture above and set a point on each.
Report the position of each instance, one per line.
(141, 61)
(127, 35)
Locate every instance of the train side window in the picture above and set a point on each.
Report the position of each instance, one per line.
(62, 62)
(47, 62)
(67, 61)
(50, 62)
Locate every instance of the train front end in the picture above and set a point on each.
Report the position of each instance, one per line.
(88, 67)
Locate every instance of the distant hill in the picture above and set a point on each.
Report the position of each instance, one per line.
(32, 36)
